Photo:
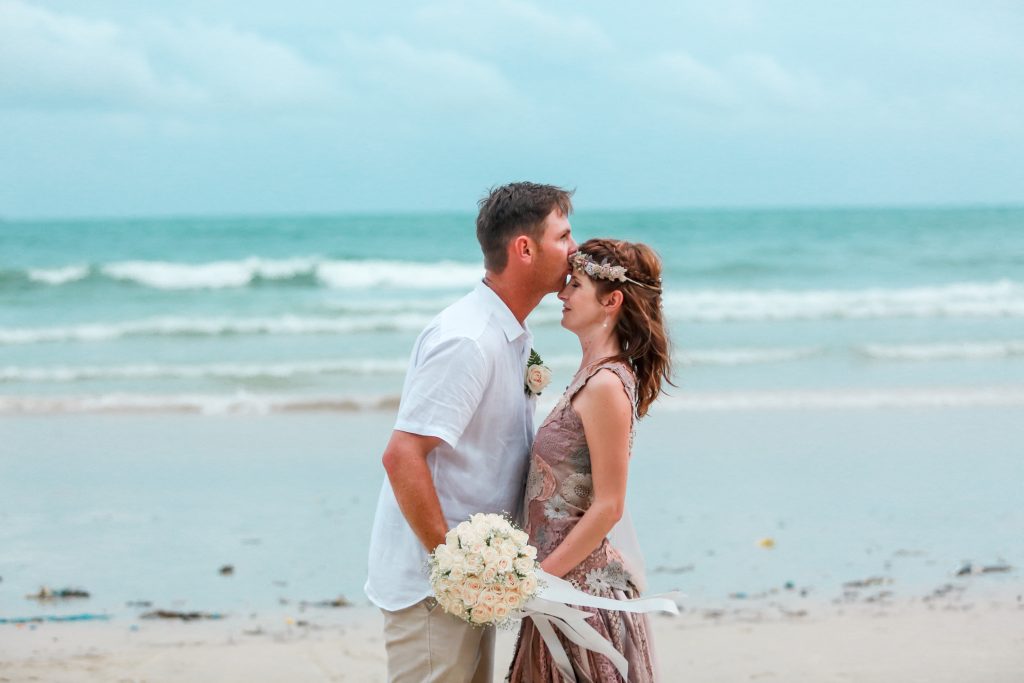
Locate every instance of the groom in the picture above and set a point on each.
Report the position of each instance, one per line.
(462, 439)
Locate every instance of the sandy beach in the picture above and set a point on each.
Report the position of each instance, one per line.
(872, 514)
(954, 640)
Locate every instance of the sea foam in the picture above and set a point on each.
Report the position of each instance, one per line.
(950, 351)
(243, 402)
(1002, 298)
(172, 326)
(226, 371)
(334, 274)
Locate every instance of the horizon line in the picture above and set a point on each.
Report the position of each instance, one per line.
(767, 208)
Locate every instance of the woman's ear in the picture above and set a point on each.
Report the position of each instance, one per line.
(613, 302)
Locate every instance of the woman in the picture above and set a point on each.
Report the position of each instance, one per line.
(576, 489)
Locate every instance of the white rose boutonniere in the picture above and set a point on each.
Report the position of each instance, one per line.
(538, 375)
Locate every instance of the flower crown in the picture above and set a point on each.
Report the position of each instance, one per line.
(604, 270)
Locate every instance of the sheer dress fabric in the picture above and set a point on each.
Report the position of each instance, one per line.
(558, 492)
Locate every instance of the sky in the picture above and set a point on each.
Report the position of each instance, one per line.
(112, 108)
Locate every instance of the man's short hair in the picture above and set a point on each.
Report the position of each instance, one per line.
(513, 210)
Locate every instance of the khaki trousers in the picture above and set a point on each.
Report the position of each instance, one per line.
(425, 644)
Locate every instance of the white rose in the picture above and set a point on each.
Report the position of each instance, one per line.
(501, 611)
(457, 609)
(489, 598)
(471, 590)
(514, 599)
(471, 540)
(490, 556)
(482, 613)
(503, 564)
(444, 558)
(474, 564)
(523, 565)
(528, 586)
(537, 378)
(529, 551)
(489, 575)
(520, 537)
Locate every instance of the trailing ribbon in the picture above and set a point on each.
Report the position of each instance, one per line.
(550, 609)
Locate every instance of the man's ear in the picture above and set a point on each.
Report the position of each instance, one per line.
(522, 249)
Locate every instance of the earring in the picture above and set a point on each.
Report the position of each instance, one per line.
(605, 325)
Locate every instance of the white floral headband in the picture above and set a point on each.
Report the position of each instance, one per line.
(604, 270)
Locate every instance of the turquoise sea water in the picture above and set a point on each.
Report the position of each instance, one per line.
(831, 309)
(296, 313)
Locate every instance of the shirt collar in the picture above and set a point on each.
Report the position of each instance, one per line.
(509, 325)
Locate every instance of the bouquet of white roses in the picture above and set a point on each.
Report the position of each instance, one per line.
(484, 571)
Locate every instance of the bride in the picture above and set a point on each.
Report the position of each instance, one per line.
(576, 487)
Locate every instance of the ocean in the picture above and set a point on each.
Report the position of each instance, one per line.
(262, 314)
(849, 385)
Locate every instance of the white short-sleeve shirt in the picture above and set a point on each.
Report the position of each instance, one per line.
(465, 385)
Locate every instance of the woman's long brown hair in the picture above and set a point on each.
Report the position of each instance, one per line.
(641, 332)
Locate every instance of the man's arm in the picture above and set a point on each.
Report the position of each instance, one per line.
(405, 461)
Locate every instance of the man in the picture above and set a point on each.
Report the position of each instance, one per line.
(462, 439)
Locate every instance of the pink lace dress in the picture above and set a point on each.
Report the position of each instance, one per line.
(559, 490)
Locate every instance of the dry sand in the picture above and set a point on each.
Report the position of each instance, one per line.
(950, 640)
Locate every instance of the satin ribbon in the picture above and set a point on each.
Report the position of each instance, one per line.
(550, 609)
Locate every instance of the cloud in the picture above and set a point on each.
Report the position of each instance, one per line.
(405, 74)
(512, 27)
(768, 80)
(678, 74)
(748, 89)
(54, 59)
(236, 67)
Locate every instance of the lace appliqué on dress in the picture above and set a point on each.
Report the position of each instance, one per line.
(534, 483)
(605, 579)
(580, 460)
(578, 490)
(555, 508)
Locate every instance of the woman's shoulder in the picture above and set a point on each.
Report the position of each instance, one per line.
(612, 369)
(611, 380)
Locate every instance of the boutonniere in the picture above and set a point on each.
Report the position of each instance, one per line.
(538, 375)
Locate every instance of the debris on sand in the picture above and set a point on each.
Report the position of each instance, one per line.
(227, 570)
(666, 569)
(943, 591)
(54, 617)
(868, 582)
(184, 616)
(340, 601)
(881, 596)
(971, 569)
(47, 594)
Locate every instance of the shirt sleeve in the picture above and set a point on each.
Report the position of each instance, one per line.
(443, 390)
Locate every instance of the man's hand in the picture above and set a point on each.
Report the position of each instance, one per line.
(405, 460)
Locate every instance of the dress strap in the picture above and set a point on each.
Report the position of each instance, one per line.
(624, 373)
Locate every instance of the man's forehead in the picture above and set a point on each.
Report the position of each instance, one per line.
(557, 220)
